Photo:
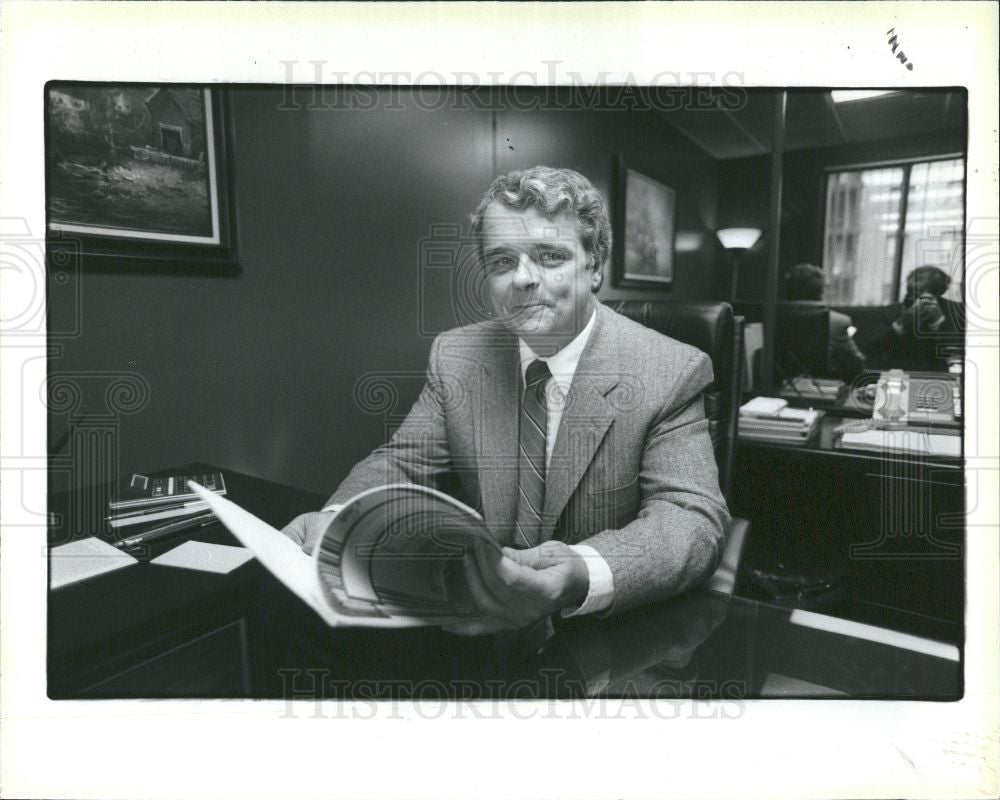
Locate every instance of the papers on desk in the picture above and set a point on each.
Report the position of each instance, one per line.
(768, 419)
(77, 561)
(206, 557)
(904, 441)
(763, 407)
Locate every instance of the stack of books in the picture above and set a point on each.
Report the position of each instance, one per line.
(769, 419)
(147, 509)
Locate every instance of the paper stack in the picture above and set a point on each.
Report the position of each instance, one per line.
(904, 441)
(769, 419)
(147, 508)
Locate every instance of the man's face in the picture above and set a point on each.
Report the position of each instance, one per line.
(538, 279)
(917, 285)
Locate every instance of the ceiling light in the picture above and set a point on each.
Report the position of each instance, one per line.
(849, 95)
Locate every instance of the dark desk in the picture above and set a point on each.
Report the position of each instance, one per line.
(889, 527)
(153, 631)
(110, 633)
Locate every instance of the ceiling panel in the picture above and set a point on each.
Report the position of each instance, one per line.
(735, 129)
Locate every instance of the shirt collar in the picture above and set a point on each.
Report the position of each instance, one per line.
(563, 364)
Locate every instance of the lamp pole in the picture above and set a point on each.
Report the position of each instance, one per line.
(774, 241)
(736, 274)
(736, 242)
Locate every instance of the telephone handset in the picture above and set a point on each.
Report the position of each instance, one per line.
(902, 399)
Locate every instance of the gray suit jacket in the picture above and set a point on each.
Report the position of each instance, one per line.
(632, 473)
(843, 356)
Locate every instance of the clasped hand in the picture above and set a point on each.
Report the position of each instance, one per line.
(515, 588)
(924, 314)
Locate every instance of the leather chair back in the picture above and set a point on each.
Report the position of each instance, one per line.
(713, 329)
(803, 340)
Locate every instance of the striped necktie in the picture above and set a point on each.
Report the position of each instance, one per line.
(531, 456)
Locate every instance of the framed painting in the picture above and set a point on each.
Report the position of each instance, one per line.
(645, 223)
(138, 178)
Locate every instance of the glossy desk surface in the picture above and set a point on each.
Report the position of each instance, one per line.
(701, 645)
(825, 441)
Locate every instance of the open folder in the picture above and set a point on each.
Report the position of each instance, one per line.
(391, 557)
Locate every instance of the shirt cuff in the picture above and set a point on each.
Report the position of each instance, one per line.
(601, 592)
(333, 507)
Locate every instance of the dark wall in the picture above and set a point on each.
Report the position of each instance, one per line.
(588, 140)
(258, 372)
(744, 192)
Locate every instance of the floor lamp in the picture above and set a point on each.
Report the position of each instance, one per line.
(737, 241)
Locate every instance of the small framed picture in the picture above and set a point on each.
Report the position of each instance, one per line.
(645, 222)
(137, 177)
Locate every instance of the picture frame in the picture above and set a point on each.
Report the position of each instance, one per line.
(645, 229)
(138, 178)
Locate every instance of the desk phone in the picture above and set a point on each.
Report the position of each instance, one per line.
(919, 399)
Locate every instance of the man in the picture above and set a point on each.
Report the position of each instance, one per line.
(579, 435)
(804, 284)
(927, 331)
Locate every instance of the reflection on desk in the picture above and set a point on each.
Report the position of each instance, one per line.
(887, 527)
(153, 631)
(687, 648)
(910, 440)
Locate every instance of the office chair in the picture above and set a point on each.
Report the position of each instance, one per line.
(713, 329)
(802, 340)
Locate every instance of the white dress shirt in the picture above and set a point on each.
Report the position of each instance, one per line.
(563, 366)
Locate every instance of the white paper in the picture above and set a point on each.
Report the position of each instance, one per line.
(84, 559)
(280, 555)
(935, 444)
(763, 406)
(206, 557)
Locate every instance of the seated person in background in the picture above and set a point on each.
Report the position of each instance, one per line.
(804, 283)
(603, 486)
(927, 331)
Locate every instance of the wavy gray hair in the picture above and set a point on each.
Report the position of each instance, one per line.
(554, 191)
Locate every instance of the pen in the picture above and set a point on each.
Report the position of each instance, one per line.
(190, 523)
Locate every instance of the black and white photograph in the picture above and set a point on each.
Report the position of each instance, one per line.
(667, 458)
(633, 403)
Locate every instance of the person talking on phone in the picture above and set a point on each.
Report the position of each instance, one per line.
(927, 332)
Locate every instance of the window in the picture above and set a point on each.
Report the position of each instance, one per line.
(864, 257)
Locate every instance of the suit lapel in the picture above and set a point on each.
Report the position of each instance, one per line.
(497, 449)
(586, 417)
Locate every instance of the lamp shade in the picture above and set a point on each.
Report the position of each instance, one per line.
(738, 238)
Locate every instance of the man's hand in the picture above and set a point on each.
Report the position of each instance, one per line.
(515, 588)
(924, 314)
(306, 529)
(904, 324)
(929, 314)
